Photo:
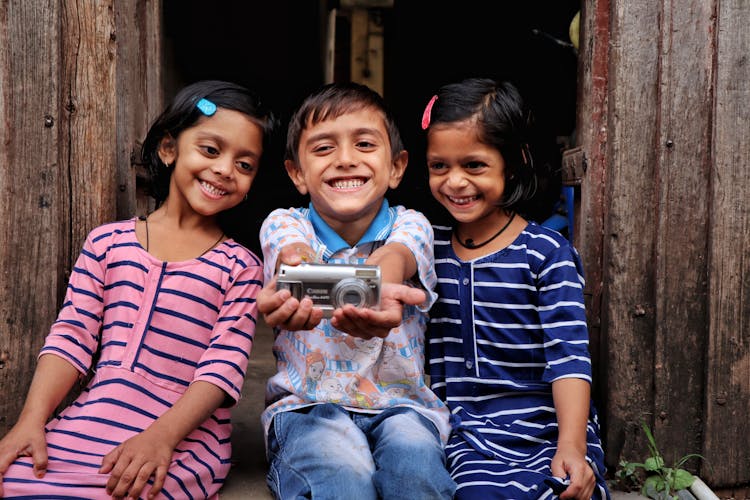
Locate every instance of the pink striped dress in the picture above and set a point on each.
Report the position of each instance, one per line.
(160, 326)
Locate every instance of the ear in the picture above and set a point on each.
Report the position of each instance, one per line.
(168, 149)
(295, 173)
(398, 169)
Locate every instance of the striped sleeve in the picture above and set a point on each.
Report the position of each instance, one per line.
(74, 336)
(562, 316)
(413, 230)
(224, 363)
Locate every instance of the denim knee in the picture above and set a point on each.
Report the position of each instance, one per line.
(319, 453)
(408, 451)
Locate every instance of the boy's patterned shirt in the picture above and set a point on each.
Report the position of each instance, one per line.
(326, 365)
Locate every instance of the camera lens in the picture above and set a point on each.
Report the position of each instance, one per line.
(351, 291)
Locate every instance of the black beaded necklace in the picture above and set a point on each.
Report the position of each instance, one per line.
(145, 219)
(469, 243)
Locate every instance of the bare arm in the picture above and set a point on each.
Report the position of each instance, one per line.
(572, 399)
(149, 453)
(53, 379)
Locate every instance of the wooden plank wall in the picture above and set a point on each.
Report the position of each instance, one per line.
(74, 97)
(34, 204)
(727, 438)
(665, 202)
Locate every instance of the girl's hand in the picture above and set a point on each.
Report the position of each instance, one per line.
(569, 462)
(368, 323)
(24, 440)
(134, 462)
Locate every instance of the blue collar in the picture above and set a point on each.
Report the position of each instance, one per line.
(379, 229)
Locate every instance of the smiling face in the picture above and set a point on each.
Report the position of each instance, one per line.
(346, 166)
(466, 176)
(215, 162)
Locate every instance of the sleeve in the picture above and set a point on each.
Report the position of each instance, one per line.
(283, 227)
(224, 363)
(413, 230)
(562, 315)
(75, 335)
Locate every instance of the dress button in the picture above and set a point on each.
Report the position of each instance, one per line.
(469, 364)
(465, 281)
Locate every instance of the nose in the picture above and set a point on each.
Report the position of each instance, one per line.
(347, 156)
(223, 166)
(456, 178)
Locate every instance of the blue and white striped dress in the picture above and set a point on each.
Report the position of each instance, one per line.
(504, 328)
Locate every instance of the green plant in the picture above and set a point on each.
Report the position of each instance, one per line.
(661, 482)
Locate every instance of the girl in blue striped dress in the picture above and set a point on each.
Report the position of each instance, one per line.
(508, 341)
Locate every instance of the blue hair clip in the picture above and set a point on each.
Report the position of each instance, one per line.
(207, 107)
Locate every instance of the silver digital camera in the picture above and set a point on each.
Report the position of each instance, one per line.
(331, 286)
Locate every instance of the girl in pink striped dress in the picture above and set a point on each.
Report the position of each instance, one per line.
(166, 303)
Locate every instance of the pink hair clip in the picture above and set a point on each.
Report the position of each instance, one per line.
(428, 112)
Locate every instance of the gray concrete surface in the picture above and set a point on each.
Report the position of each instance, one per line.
(246, 479)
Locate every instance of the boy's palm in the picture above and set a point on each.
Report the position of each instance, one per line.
(368, 323)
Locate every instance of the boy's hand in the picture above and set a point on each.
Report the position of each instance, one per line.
(23, 440)
(280, 309)
(134, 462)
(295, 254)
(368, 323)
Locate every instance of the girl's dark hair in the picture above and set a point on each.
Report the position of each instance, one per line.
(182, 113)
(503, 122)
(332, 101)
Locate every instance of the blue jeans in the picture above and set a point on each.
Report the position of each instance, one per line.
(326, 452)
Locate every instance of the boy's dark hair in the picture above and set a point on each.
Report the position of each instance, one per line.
(502, 123)
(182, 113)
(332, 101)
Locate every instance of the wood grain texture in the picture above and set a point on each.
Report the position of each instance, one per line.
(727, 447)
(629, 302)
(34, 218)
(681, 204)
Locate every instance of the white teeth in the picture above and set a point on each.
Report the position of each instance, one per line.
(462, 201)
(211, 189)
(347, 183)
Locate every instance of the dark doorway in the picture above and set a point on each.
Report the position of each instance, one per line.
(277, 47)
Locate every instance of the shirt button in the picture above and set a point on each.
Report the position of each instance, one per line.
(469, 364)
(465, 281)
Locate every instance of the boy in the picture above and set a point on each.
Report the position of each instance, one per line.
(348, 412)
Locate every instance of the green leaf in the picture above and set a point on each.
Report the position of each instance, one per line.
(654, 487)
(682, 479)
(654, 463)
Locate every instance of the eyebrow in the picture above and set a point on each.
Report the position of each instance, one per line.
(357, 131)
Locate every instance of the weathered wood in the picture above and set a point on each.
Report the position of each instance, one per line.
(90, 99)
(591, 128)
(64, 112)
(726, 437)
(34, 218)
(681, 206)
(629, 303)
(139, 94)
